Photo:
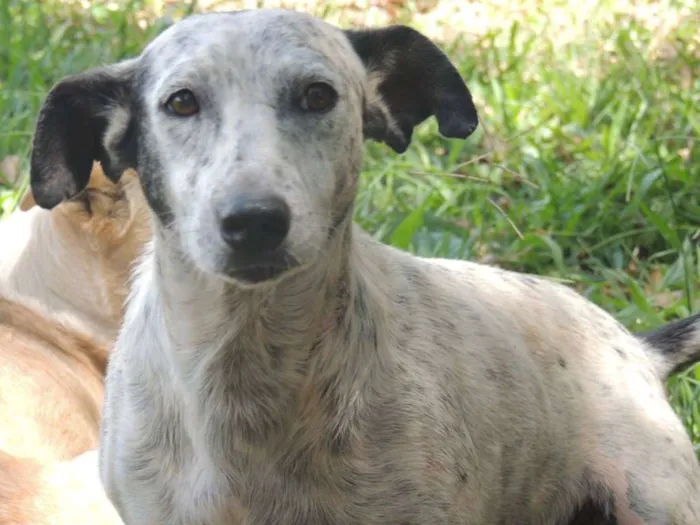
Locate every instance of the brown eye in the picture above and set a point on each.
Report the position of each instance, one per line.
(182, 103)
(318, 97)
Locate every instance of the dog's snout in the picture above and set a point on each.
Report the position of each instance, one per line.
(255, 225)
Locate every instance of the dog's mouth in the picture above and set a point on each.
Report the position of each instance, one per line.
(264, 270)
(256, 274)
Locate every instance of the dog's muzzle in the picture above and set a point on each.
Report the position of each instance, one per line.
(255, 228)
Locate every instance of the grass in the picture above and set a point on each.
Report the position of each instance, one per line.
(585, 167)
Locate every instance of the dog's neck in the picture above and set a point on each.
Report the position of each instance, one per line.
(259, 363)
(289, 312)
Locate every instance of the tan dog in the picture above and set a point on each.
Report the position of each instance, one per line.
(63, 281)
(75, 261)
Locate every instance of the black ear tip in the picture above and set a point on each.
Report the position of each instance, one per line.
(38, 182)
(52, 184)
(400, 142)
(398, 146)
(458, 119)
(44, 199)
(458, 127)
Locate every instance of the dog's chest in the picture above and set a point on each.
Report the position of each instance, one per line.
(216, 476)
(199, 494)
(250, 490)
(298, 486)
(384, 478)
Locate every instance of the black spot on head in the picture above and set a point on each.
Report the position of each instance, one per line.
(562, 362)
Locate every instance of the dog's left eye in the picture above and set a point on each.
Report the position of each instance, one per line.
(319, 97)
(182, 103)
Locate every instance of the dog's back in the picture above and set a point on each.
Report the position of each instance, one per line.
(51, 385)
(64, 277)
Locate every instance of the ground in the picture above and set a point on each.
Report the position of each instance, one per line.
(584, 167)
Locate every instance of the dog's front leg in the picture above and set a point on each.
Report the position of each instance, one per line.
(122, 472)
(139, 447)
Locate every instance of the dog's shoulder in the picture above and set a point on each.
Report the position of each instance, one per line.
(476, 283)
(475, 305)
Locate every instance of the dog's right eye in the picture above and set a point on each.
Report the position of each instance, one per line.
(319, 96)
(182, 103)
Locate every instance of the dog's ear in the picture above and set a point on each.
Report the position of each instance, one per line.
(85, 117)
(412, 79)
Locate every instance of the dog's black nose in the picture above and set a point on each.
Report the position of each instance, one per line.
(256, 225)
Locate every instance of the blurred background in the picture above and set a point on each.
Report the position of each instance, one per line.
(585, 168)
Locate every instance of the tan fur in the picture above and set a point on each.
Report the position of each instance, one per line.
(51, 385)
(61, 493)
(75, 260)
(63, 280)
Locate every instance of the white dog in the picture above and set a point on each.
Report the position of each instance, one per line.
(278, 366)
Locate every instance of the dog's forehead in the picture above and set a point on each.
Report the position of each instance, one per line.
(248, 33)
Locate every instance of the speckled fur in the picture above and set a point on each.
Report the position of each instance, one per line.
(364, 385)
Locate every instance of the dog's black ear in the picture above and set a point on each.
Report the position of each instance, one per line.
(413, 79)
(85, 117)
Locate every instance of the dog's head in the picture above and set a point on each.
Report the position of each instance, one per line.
(102, 230)
(105, 209)
(110, 217)
(246, 129)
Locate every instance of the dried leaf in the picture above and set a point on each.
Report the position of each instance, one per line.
(10, 170)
